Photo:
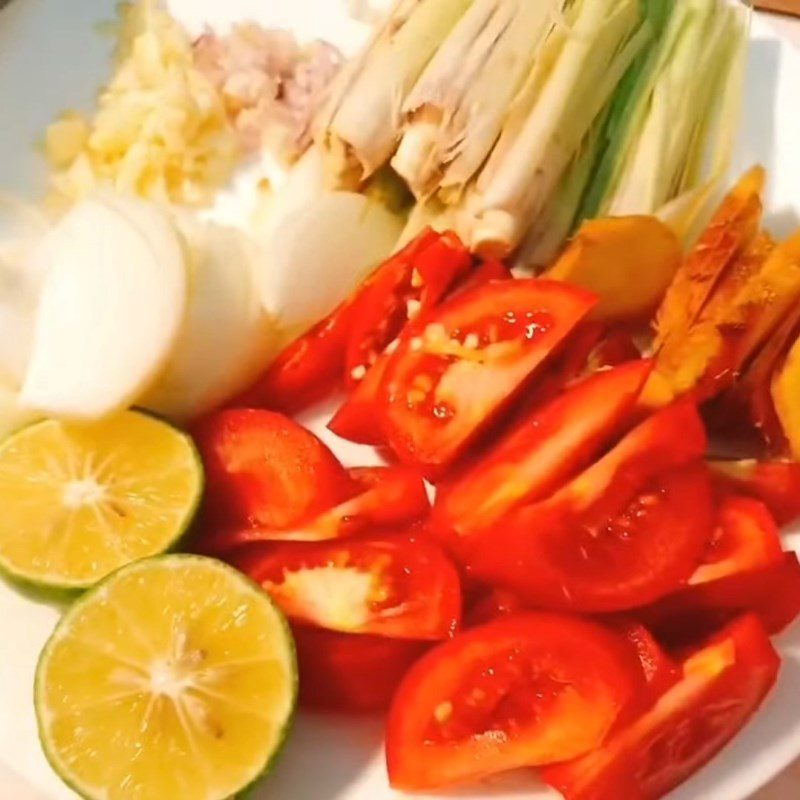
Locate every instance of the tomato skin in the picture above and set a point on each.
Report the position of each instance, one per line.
(263, 469)
(351, 673)
(413, 591)
(617, 563)
(721, 687)
(485, 272)
(360, 417)
(775, 483)
(542, 451)
(660, 671)
(441, 393)
(486, 701)
(490, 605)
(746, 538)
(772, 593)
(307, 370)
(379, 497)
(630, 529)
(422, 272)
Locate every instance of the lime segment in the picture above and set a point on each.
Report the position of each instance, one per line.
(81, 501)
(174, 678)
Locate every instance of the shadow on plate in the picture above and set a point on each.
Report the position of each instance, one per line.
(324, 756)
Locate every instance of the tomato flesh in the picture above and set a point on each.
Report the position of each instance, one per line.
(407, 285)
(471, 359)
(721, 687)
(306, 371)
(360, 417)
(381, 497)
(775, 483)
(263, 469)
(525, 690)
(391, 585)
(772, 593)
(660, 671)
(746, 537)
(351, 673)
(628, 530)
(538, 455)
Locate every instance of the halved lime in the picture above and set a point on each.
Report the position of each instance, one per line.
(80, 501)
(174, 679)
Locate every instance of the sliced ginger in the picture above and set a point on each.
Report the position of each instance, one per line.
(627, 261)
(732, 230)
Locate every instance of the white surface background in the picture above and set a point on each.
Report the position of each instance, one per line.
(51, 58)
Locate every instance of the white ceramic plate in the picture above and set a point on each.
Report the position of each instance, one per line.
(52, 58)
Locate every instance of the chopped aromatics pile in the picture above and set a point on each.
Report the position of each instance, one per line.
(161, 130)
(271, 86)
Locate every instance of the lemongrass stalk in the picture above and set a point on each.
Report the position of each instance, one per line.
(605, 38)
(360, 126)
(455, 113)
(671, 139)
(545, 240)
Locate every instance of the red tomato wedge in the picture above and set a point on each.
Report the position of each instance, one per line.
(390, 585)
(359, 418)
(628, 530)
(772, 593)
(407, 285)
(746, 537)
(474, 355)
(311, 367)
(307, 370)
(351, 673)
(382, 497)
(568, 365)
(660, 671)
(485, 272)
(617, 347)
(263, 469)
(529, 689)
(544, 450)
(775, 483)
(489, 605)
(721, 687)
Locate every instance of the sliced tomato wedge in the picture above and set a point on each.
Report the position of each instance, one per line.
(360, 417)
(775, 483)
(528, 689)
(628, 530)
(616, 347)
(660, 671)
(485, 272)
(721, 687)
(469, 362)
(407, 285)
(570, 363)
(388, 586)
(312, 366)
(351, 673)
(490, 605)
(263, 469)
(772, 593)
(544, 450)
(382, 497)
(307, 370)
(746, 537)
